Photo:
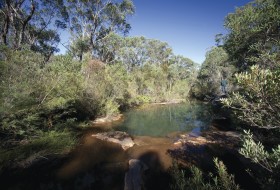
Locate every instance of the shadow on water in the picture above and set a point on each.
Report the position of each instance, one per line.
(98, 164)
(102, 165)
(156, 177)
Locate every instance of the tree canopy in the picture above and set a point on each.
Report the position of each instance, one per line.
(32, 24)
(91, 21)
(253, 34)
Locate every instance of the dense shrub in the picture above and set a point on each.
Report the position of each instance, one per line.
(257, 100)
(222, 181)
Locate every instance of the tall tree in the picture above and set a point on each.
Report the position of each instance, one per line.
(135, 51)
(92, 20)
(32, 23)
(213, 69)
(254, 34)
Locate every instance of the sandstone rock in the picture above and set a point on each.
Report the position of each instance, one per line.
(117, 137)
(134, 176)
(107, 119)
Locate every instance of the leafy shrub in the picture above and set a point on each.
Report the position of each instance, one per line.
(51, 142)
(257, 102)
(268, 161)
(223, 180)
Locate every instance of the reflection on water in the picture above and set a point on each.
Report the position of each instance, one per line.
(161, 120)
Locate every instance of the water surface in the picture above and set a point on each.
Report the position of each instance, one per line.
(161, 120)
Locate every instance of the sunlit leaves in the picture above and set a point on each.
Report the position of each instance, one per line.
(33, 23)
(257, 101)
(223, 180)
(92, 21)
(254, 34)
(269, 161)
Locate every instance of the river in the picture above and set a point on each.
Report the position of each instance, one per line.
(154, 129)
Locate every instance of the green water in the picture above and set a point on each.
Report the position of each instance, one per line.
(161, 120)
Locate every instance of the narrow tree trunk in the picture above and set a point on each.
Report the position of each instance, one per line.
(6, 30)
(24, 25)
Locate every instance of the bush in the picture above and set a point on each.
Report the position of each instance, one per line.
(257, 102)
(46, 143)
(223, 180)
(268, 177)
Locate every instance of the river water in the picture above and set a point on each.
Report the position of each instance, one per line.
(161, 120)
(153, 128)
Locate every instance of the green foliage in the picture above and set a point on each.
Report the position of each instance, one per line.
(105, 88)
(214, 68)
(28, 83)
(253, 46)
(144, 70)
(92, 21)
(38, 97)
(141, 99)
(257, 101)
(135, 51)
(179, 177)
(269, 161)
(47, 143)
(253, 36)
(223, 180)
(20, 79)
(32, 24)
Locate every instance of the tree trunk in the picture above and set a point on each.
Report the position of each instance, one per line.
(24, 25)
(6, 30)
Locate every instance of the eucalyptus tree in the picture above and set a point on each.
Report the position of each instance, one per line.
(135, 51)
(92, 20)
(213, 69)
(253, 34)
(32, 23)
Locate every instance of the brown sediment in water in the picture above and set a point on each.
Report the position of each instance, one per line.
(107, 162)
(153, 146)
(94, 152)
(90, 154)
(100, 164)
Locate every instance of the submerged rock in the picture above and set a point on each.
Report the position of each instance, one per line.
(117, 137)
(107, 119)
(199, 140)
(225, 138)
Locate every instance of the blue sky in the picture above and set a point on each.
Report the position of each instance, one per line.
(188, 26)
